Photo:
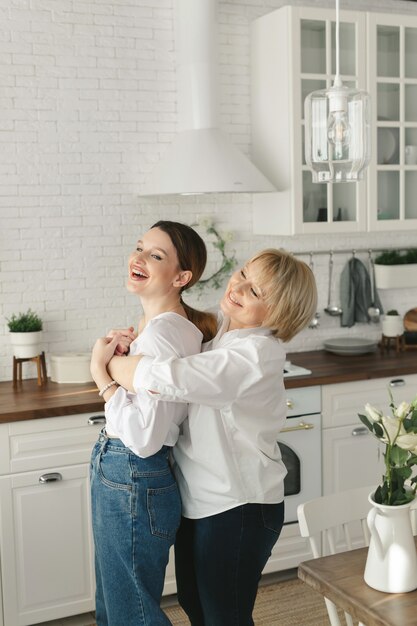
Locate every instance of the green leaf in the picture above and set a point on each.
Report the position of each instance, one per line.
(412, 459)
(410, 423)
(378, 430)
(398, 455)
(366, 422)
(381, 494)
(401, 497)
(402, 472)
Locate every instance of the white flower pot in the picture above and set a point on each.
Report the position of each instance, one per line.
(392, 325)
(396, 276)
(26, 345)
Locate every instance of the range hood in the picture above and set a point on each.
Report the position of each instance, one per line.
(201, 158)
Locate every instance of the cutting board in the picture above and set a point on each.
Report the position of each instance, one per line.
(410, 320)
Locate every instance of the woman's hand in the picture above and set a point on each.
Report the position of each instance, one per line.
(102, 352)
(126, 336)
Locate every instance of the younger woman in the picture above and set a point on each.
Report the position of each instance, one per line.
(135, 500)
(229, 466)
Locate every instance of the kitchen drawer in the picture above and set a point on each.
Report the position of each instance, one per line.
(49, 442)
(341, 403)
(303, 401)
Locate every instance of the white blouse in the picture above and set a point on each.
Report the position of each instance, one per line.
(227, 453)
(141, 420)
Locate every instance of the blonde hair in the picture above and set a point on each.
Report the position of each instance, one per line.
(289, 291)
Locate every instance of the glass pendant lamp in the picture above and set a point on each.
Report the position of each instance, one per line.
(337, 130)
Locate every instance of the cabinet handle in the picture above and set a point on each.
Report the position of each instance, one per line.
(301, 426)
(96, 419)
(397, 382)
(361, 430)
(52, 477)
(290, 404)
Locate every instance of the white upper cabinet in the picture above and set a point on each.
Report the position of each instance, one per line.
(293, 54)
(392, 83)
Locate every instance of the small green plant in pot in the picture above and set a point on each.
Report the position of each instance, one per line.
(25, 334)
(396, 269)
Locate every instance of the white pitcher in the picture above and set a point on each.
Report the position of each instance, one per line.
(391, 564)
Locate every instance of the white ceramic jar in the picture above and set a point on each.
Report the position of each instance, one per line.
(392, 325)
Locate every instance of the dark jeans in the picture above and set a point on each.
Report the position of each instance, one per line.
(219, 561)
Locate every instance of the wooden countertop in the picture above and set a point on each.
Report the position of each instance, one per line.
(28, 401)
(328, 368)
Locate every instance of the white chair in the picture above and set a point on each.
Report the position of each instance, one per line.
(333, 524)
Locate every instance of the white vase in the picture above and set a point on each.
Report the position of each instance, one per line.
(391, 565)
(26, 345)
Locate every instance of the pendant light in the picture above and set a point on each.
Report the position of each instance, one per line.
(337, 130)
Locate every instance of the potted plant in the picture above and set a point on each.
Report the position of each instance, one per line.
(396, 269)
(25, 334)
(392, 547)
(392, 324)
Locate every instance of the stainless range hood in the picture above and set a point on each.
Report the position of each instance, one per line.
(201, 158)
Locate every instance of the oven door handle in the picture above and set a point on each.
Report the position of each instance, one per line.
(300, 426)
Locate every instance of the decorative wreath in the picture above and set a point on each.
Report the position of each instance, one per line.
(228, 261)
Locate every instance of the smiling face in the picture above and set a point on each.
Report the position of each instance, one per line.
(243, 301)
(153, 267)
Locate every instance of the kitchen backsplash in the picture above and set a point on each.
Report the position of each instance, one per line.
(88, 102)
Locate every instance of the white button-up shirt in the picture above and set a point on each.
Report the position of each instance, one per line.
(141, 420)
(227, 453)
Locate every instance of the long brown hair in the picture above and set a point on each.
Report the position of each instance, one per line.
(192, 256)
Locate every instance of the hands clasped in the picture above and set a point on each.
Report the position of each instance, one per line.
(117, 343)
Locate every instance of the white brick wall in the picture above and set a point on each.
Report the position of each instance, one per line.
(87, 105)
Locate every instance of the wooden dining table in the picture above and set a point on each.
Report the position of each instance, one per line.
(339, 577)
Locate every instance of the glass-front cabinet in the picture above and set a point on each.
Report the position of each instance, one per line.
(293, 54)
(324, 202)
(392, 79)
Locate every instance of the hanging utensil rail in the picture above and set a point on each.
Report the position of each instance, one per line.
(352, 251)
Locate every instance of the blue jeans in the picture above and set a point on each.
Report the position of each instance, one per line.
(219, 561)
(136, 510)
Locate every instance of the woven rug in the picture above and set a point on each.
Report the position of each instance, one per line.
(287, 603)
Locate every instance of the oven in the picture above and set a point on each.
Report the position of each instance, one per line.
(300, 444)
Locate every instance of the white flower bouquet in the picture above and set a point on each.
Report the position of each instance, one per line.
(399, 434)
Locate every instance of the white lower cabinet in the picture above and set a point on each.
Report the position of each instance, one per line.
(351, 454)
(47, 554)
(46, 547)
(350, 460)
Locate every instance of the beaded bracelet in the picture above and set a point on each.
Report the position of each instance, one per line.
(102, 391)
